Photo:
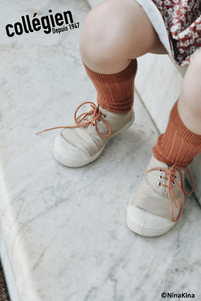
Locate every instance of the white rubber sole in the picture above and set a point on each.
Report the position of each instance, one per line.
(147, 224)
(61, 145)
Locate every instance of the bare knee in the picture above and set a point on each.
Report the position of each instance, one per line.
(100, 44)
(191, 90)
(94, 39)
(115, 32)
(194, 69)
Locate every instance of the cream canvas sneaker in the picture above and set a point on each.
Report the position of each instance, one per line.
(83, 140)
(157, 205)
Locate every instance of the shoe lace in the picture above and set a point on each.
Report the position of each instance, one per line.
(172, 180)
(82, 120)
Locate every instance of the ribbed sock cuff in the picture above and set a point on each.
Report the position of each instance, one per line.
(178, 145)
(182, 130)
(119, 77)
(115, 92)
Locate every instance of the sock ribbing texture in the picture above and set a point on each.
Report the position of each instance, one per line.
(178, 145)
(115, 92)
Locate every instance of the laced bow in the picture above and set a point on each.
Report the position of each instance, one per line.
(172, 180)
(82, 120)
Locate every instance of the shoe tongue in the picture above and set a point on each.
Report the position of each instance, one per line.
(155, 163)
(154, 176)
(101, 126)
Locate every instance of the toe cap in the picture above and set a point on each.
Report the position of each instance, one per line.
(68, 154)
(145, 223)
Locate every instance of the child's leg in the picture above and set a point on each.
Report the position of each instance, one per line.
(150, 213)
(182, 140)
(189, 104)
(115, 33)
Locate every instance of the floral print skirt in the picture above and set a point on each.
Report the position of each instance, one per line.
(182, 20)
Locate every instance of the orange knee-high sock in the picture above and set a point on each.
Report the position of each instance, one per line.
(115, 92)
(178, 145)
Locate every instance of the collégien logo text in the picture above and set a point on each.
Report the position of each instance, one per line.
(46, 23)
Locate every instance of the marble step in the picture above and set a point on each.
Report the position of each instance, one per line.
(63, 234)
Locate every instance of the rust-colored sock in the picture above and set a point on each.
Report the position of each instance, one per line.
(178, 145)
(115, 92)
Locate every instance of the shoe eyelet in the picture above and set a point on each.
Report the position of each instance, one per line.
(159, 183)
(160, 170)
(99, 120)
(173, 182)
(105, 116)
(175, 177)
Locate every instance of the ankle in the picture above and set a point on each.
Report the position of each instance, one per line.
(115, 92)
